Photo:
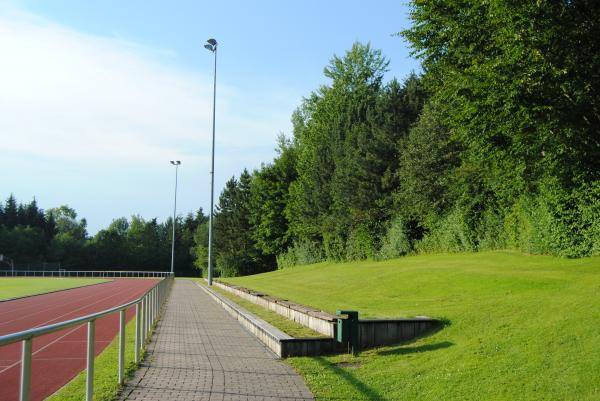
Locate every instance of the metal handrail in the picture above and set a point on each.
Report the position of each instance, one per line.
(147, 312)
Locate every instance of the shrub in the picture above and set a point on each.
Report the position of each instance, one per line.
(300, 253)
(490, 231)
(360, 244)
(395, 242)
(450, 234)
(334, 246)
(556, 221)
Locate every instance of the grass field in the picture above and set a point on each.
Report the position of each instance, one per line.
(13, 287)
(520, 327)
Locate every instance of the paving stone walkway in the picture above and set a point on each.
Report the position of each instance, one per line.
(199, 352)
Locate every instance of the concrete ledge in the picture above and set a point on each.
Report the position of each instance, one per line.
(266, 333)
(315, 319)
(282, 344)
(311, 347)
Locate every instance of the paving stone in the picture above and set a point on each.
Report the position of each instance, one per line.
(200, 353)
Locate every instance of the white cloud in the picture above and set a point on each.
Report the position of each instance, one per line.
(68, 95)
(73, 96)
(92, 121)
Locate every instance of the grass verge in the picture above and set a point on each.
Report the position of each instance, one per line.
(106, 365)
(521, 327)
(13, 287)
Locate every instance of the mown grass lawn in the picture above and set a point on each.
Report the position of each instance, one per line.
(520, 327)
(12, 287)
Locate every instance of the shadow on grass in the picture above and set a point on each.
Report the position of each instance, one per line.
(403, 350)
(365, 390)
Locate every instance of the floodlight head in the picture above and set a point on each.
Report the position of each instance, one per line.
(211, 45)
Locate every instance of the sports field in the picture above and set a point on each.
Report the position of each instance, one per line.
(520, 327)
(13, 287)
(60, 356)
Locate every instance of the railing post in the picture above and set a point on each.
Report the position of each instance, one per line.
(143, 334)
(149, 306)
(151, 314)
(89, 385)
(155, 303)
(25, 370)
(138, 322)
(146, 310)
(153, 306)
(121, 346)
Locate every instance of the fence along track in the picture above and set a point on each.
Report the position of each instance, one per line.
(84, 273)
(147, 312)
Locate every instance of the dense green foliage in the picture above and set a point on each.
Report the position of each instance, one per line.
(520, 327)
(496, 145)
(33, 238)
(517, 86)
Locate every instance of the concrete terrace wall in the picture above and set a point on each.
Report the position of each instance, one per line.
(266, 333)
(372, 332)
(375, 333)
(282, 344)
(317, 320)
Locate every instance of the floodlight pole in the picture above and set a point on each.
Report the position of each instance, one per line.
(176, 163)
(212, 46)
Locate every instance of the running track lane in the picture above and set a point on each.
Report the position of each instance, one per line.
(58, 357)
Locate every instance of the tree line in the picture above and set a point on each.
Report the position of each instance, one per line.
(30, 236)
(496, 145)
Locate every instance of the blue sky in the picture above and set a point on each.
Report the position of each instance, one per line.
(98, 96)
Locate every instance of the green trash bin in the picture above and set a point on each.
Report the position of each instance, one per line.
(343, 330)
(347, 330)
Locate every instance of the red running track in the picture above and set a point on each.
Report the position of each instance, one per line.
(58, 357)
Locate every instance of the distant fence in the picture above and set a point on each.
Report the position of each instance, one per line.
(83, 273)
(147, 312)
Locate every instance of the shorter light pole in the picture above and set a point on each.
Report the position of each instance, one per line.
(176, 163)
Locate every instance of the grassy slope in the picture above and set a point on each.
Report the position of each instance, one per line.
(521, 327)
(19, 286)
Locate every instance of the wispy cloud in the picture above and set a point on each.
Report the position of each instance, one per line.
(76, 108)
(75, 96)
(69, 95)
